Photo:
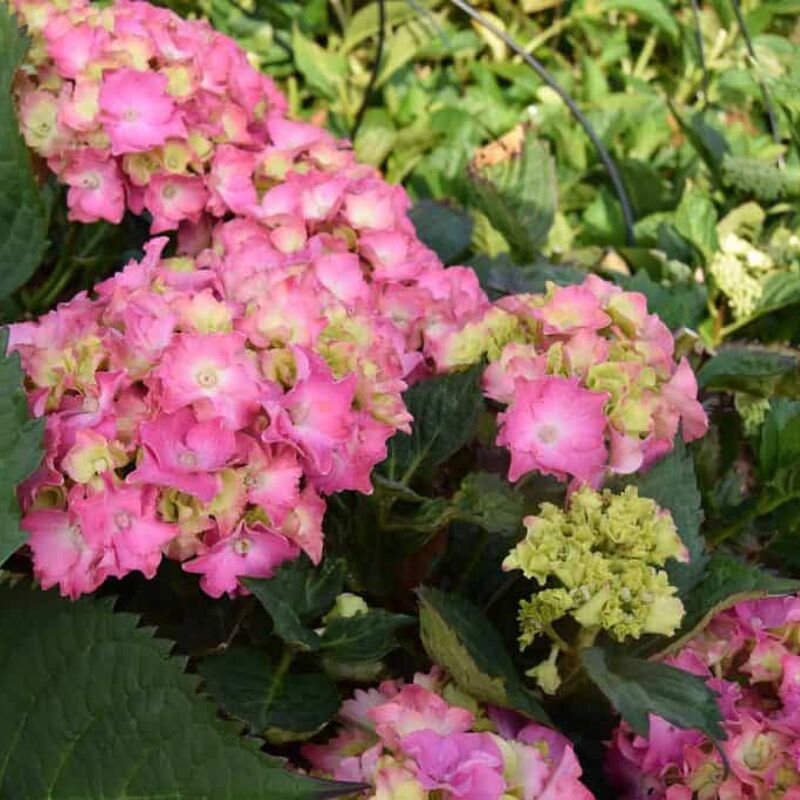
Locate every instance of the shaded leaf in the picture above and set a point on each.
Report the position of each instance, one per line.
(741, 368)
(23, 217)
(457, 636)
(488, 500)
(21, 452)
(638, 688)
(94, 707)
(278, 704)
(363, 637)
(446, 231)
(445, 411)
(296, 595)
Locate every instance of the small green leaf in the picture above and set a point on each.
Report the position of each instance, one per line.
(653, 11)
(363, 637)
(727, 581)
(21, 453)
(446, 231)
(324, 71)
(457, 636)
(23, 217)
(280, 705)
(672, 483)
(638, 688)
(696, 220)
(297, 595)
(445, 411)
(742, 368)
(487, 500)
(519, 196)
(375, 138)
(94, 706)
(364, 23)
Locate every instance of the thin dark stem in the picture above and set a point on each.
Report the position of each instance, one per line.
(768, 107)
(375, 67)
(701, 49)
(544, 74)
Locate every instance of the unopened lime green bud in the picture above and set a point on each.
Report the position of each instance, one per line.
(546, 674)
(664, 615)
(345, 606)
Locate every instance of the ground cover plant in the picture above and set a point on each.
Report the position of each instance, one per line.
(401, 399)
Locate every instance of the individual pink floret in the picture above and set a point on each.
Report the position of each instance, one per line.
(137, 111)
(555, 426)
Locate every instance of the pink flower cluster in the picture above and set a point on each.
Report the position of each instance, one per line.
(588, 375)
(203, 405)
(427, 740)
(750, 656)
(133, 107)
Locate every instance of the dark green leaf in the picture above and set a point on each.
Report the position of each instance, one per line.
(741, 368)
(488, 500)
(519, 196)
(276, 703)
(709, 143)
(638, 688)
(779, 450)
(363, 637)
(94, 707)
(457, 636)
(21, 452)
(672, 483)
(499, 276)
(445, 411)
(446, 231)
(23, 218)
(297, 595)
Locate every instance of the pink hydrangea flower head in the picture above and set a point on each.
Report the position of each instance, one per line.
(752, 663)
(422, 745)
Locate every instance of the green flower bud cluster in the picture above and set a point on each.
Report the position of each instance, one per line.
(752, 409)
(599, 562)
(739, 269)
